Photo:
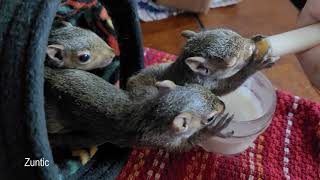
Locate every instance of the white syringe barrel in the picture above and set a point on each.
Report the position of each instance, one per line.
(294, 41)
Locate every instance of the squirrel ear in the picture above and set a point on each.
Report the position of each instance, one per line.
(188, 33)
(60, 24)
(55, 55)
(165, 86)
(231, 61)
(196, 64)
(66, 24)
(181, 123)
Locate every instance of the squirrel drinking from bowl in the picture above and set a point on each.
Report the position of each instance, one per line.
(83, 110)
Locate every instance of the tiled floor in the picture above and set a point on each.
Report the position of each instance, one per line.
(248, 18)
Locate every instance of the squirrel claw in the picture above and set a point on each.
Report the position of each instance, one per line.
(258, 37)
(226, 135)
(266, 61)
(222, 123)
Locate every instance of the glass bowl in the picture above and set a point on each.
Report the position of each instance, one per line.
(253, 105)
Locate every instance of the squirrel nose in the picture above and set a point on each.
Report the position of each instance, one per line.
(111, 56)
(111, 53)
(220, 106)
(112, 50)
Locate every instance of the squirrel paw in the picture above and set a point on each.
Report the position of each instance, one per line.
(221, 124)
(266, 61)
(226, 134)
(258, 37)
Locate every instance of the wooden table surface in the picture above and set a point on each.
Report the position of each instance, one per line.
(248, 18)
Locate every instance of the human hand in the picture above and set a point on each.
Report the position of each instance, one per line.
(310, 59)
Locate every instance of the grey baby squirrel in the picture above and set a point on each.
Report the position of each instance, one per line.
(86, 111)
(74, 47)
(219, 59)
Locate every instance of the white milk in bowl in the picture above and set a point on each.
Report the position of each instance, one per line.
(243, 104)
(253, 105)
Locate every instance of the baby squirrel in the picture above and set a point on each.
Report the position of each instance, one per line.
(73, 47)
(178, 118)
(219, 59)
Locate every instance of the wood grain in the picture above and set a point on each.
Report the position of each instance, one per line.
(165, 34)
(252, 17)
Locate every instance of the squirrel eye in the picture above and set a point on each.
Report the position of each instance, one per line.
(84, 58)
(210, 119)
(207, 70)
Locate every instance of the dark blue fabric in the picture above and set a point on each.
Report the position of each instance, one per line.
(125, 19)
(24, 29)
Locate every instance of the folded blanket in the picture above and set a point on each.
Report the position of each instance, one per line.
(288, 149)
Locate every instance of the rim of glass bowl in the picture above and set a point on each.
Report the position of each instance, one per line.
(260, 123)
